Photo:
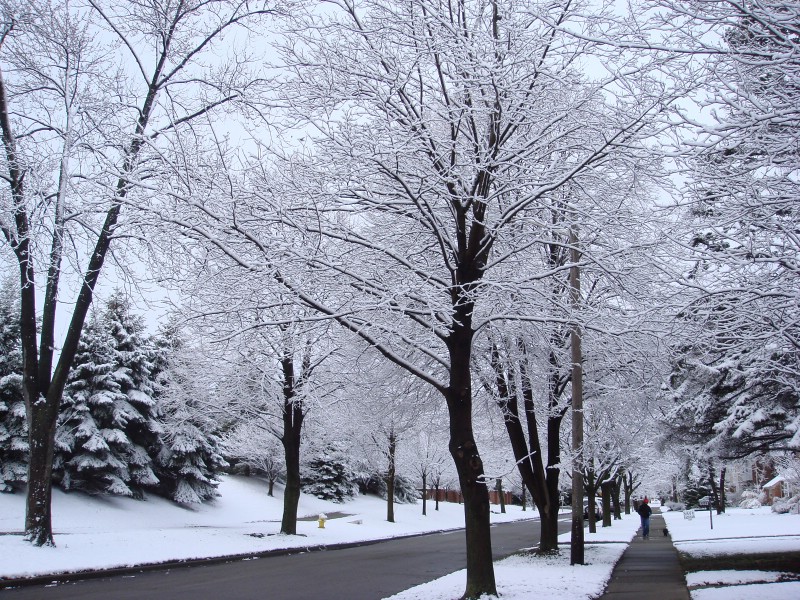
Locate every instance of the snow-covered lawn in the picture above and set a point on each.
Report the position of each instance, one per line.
(105, 532)
(97, 533)
(737, 532)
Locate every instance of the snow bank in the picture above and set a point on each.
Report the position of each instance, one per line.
(737, 531)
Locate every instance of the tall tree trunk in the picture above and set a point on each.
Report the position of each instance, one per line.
(549, 525)
(469, 466)
(549, 531)
(43, 393)
(717, 492)
(292, 414)
(475, 496)
(542, 483)
(271, 488)
(591, 485)
(616, 491)
(291, 494)
(390, 476)
(524, 499)
(41, 437)
(629, 485)
(529, 459)
(714, 490)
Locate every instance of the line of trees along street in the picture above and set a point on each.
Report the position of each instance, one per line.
(417, 209)
(413, 206)
(423, 176)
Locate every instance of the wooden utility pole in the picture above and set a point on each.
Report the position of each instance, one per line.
(577, 539)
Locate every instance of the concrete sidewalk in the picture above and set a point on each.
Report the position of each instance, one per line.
(649, 569)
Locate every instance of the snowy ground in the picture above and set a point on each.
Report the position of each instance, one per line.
(96, 533)
(738, 531)
(524, 577)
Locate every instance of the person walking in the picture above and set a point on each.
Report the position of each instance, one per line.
(645, 511)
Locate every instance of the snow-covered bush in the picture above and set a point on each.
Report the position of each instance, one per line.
(750, 499)
(670, 505)
(783, 506)
(375, 483)
(329, 475)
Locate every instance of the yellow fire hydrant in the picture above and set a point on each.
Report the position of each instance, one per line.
(322, 518)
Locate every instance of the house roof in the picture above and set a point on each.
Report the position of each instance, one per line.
(773, 481)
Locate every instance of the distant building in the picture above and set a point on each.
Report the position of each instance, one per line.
(763, 474)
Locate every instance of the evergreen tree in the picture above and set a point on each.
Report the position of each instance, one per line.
(108, 427)
(134, 365)
(13, 425)
(329, 474)
(375, 483)
(91, 445)
(733, 402)
(189, 460)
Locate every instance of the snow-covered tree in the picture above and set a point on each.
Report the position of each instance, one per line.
(510, 373)
(109, 431)
(441, 126)
(330, 474)
(13, 427)
(134, 371)
(90, 441)
(736, 379)
(733, 403)
(189, 458)
(385, 408)
(276, 370)
(256, 451)
(428, 459)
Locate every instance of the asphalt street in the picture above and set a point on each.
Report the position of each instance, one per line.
(368, 572)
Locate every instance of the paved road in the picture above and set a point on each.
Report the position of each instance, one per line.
(363, 573)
